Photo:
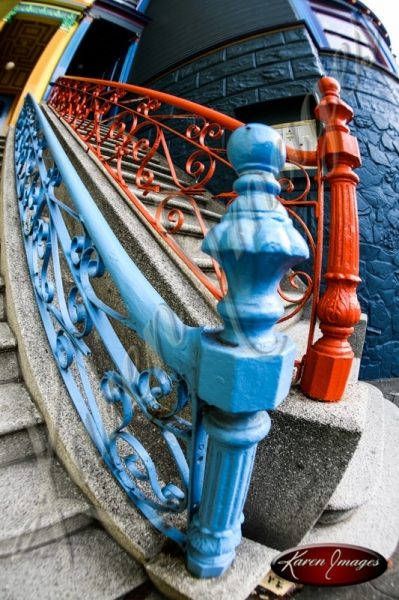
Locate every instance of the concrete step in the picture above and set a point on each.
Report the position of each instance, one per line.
(252, 562)
(375, 524)
(39, 504)
(163, 178)
(157, 163)
(87, 564)
(300, 463)
(389, 387)
(210, 216)
(362, 477)
(297, 328)
(2, 307)
(2, 300)
(22, 432)
(108, 149)
(9, 368)
(7, 338)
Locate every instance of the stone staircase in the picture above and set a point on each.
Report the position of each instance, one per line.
(189, 236)
(318, 425)
(51, 543)
(324, 471)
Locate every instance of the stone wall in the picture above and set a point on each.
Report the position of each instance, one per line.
(374, 96)
(286, 63)
(268, 66)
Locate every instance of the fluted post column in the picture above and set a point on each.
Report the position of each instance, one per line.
(246, 367)
(329, 360)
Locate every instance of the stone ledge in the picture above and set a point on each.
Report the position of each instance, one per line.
(87, 564)
(250, 565)
(375, 524)
(299, 465)
(17, 409)
(362, 477)
(39, 504)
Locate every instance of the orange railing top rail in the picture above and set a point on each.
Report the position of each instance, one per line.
(98, 112)
(303, 157)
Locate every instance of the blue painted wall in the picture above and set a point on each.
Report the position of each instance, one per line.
(374, 95)
(287, 62)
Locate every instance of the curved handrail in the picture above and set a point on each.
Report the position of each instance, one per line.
(148, 311)
(307, 158)
(63, 266)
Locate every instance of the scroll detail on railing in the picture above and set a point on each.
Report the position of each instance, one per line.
(65, 263)
(141, 135)
(205, 403)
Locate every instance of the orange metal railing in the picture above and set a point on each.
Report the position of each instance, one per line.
(125, 125)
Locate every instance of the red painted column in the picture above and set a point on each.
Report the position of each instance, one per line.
(329, 360)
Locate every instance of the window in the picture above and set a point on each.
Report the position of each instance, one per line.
(346, 29)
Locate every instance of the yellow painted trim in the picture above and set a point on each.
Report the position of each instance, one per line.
(5, 7)
(66, 16)
(40, 76)
(74, 6)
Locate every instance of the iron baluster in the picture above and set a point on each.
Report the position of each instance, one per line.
(328, 362)
(247, 367)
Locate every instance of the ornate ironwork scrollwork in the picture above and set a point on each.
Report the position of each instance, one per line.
(129, 128)
(64, 267)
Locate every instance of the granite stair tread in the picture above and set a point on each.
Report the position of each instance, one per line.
(9, 367)
(362, 477)
(16, 409)
(87, 564)
(2, 307)
(22, 430)
(375, 524)
(152, 199)
(39, 503)
(7, 338)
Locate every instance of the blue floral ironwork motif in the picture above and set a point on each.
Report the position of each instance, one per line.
(71, 310)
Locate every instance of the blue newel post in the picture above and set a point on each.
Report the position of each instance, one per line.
(247, 367)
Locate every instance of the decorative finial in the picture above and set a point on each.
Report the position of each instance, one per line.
(246, 368)
(329, 86)
(255, 242)
(255, 148)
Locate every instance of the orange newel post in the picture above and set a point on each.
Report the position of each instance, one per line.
(329, 360)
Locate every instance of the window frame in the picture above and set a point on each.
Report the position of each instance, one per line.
(382, 55)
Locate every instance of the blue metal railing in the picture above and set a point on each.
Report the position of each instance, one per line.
(227, 378)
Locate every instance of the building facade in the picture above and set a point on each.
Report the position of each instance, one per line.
(42, 40)
(250, 61)
(261, 63)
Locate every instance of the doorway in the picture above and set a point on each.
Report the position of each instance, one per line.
(22, 41)
(102, 51)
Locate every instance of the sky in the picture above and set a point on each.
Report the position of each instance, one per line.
(388, 13)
